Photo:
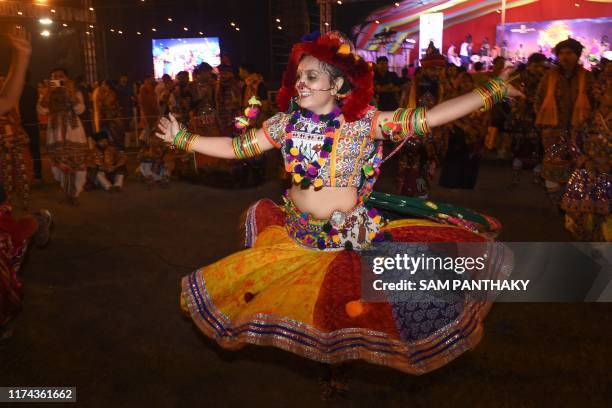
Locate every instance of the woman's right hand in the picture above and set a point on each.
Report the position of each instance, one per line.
(168, 128)
(20, 41)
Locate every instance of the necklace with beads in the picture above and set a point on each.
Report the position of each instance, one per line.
(307, 174)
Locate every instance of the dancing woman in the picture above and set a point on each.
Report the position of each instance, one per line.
(297, 286)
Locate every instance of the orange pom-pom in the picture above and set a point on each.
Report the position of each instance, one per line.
(354, 308)
(344, 49)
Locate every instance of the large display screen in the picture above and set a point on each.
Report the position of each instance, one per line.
(173, 55)
(524, 39)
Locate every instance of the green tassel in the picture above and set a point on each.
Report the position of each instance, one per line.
(412, 206)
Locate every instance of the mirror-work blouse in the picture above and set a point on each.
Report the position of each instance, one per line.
(354, 146)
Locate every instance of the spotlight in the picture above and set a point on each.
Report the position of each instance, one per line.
(45, 33)
(45, 21)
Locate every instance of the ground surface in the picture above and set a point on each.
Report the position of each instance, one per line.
(101, 313)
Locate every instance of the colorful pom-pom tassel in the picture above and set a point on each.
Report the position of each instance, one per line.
(354, 308)
(344, 49)
(254, 101)
(241, 122)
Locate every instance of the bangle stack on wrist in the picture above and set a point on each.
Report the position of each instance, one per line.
(411, 121)
(492, 93)
(183, 140)
(246, 145)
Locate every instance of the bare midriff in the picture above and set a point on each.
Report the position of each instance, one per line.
(323, 202)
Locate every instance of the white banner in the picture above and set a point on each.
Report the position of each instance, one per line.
(431, 26)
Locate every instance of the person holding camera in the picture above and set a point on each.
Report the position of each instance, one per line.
(66, 140)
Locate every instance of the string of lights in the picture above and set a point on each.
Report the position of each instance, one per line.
(49, 22)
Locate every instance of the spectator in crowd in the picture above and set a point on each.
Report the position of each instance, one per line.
(563, 103)
(386, 85)
(67, 143)
(181, 98)
(109, 113)
(465, 51)
(149, 106)
(163, 90)
(109, 162)
(479, 76)
(126, 99)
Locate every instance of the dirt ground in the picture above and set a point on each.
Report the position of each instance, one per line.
(101, 313)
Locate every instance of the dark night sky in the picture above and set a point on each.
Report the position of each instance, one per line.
(132, 54)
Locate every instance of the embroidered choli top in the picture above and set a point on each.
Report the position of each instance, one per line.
(354, 146)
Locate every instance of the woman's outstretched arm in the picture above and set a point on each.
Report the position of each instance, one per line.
(451, 109)
(221, 147)
(13, 84)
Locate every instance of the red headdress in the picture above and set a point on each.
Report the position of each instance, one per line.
(333, 49)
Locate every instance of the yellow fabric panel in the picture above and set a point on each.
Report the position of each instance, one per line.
(413, 222)
(283, 277)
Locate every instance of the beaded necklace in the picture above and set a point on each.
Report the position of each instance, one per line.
(307, 174)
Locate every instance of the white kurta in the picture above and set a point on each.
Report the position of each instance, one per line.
(67, 146)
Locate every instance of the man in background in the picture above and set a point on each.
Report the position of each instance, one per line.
(125, 98)
(386, 85)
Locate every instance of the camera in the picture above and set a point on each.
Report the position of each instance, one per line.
(56, 83)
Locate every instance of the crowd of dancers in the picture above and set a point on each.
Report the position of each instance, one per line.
(560, 130)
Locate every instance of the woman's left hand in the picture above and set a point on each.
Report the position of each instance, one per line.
(168, 128)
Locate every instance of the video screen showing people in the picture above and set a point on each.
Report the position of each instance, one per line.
(523, 39)
(173, 55)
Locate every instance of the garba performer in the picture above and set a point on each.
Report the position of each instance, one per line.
(297, 285)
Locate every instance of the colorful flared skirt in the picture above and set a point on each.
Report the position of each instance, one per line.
(309, 302)
(14, 236)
